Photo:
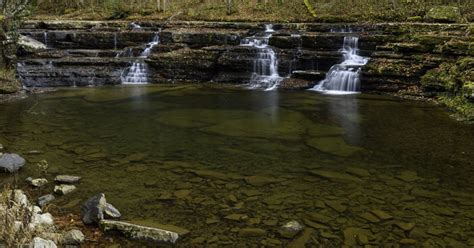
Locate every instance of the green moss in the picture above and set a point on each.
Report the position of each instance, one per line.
(445, 14)
(457, 47)
(463, 109)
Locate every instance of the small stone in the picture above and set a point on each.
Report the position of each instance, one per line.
(64, 189)
(358, 171)
(181, 194)
(407, 241)
(236, 217)
(42, 243)
(408, 176)
(381, 214)
(270, 222)
(67, 179)
(370, 217)
(38, 182)
(320, 218)
(336, 176)
(424, 193)
(45, 199)
(111, 212)
(351, 235)
(93, 209)
(328, 235)
(73, 237)
(252, 232)
(261, 180)
(404, 226)
(212, 220)
(337, 206)
(232, 186)
(290, 229)
(11, 162)
(362, 239)
(302, 239)
(198, 241)
(435, 231)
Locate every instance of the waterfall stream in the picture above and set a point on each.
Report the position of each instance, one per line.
(344, 78)
(137, 73)
(265, 66)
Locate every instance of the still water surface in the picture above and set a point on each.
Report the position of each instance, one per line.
(218, 160)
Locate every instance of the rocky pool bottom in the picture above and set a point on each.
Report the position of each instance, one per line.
(232, 166)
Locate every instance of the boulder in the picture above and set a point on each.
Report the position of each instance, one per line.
(42, 243)
(73, 237)
(144, 233)
(30, 45)
(445, 14)
(67, 179)
(42, 220)
(92, 211)
(11, 162)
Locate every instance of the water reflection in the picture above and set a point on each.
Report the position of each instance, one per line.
(345, 110)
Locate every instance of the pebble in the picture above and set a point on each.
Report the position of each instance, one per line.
(73, 237)
(252, 232)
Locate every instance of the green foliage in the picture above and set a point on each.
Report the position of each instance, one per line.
(460, 105)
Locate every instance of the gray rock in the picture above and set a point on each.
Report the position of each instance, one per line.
(67, 179)
(42, 243)
(11, 162)
(92, 211)
(64, 189)
(30, 45)
(73, 237)
(144, 233)
(45, 199)
(42, 220)
(111, 212)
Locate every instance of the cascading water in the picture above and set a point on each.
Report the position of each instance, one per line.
(138, 72)
(265, 66)
(344, 78)
(45, 38)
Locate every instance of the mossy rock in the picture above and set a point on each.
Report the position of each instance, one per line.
(457, 47)
(468, 91)
(453, 77)
(444, 14)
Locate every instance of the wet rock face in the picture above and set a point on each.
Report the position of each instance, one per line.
(95, 53)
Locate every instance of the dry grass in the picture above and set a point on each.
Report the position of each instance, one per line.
(15, 219)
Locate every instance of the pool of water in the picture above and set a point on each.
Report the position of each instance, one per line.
(220, 160)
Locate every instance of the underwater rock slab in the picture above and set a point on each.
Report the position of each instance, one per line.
(336, 176)
(144, 233)
(333, 145)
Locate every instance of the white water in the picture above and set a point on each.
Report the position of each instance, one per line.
(265, 66)
(344, 78)
(138, 72)
(45, 37)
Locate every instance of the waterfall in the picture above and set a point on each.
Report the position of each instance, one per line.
(45, 38)
(344, 78)
(265, 66)
(138, 72)
(115, 41)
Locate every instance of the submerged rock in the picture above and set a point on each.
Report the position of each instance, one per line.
(252, 232)
(261, 180)
(353, 236)
(336, 176)
(144, 233)
(92, 211)
(11, 162)
(67, 179)
(290, 229)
